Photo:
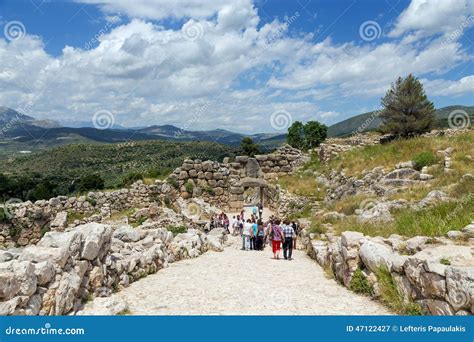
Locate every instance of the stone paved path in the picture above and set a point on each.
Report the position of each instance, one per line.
(236, 282)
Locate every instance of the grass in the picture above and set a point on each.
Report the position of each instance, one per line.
(349, 204)
(302, 184)
(388, 155)
(298, 211)
(124, 213)
(73, 216)
(445, 261)
(423, 159)
(124, 312)
(177, 229)
(390, 295)
(359, 284)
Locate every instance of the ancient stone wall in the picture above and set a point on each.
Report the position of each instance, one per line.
(439, 277)
(66, 269)
(221, 183)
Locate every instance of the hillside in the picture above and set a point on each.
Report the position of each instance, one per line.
(58, 168)
(371, 121)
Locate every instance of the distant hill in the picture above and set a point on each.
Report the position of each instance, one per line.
(369, 121)
(25, 133)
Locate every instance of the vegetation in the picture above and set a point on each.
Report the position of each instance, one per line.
(248, 147)
(306, 136)
(359, 284)
(424, 159)
(406, 108)
(79, 168)
(391, 297)
(177, 229)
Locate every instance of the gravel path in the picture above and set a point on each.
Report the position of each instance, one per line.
(236, 282)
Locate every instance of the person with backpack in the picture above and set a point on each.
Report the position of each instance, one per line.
(289, 234)
(276, 236)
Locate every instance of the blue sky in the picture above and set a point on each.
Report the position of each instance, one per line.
(247, 66)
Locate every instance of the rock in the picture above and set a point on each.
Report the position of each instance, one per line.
(455, 234)
(44, 272)
(252, 168)
(104, 307)
(459, 284)
(375, 255)
(469, 230)
(7, 308)
(9, 284)
(66, 292)
(433, 197)
(436, 307)
(380, 212)
(128, 234)
(351, 239)
(416, 243)
(60, 221)
(406, 165)
(68, 242)
(94, 236)
(404, 173)
(37, 254)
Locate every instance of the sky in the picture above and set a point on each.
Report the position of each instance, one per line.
(242, 65)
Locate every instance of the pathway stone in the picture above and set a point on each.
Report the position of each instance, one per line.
(235, 282)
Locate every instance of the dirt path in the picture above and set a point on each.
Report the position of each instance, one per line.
(236, 282)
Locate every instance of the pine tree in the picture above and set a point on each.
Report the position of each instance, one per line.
(248, 147)
(314, 134)
(407, 110)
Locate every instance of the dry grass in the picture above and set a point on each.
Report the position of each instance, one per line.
(388, 155)
(302, 184)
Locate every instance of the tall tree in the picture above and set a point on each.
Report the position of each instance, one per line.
(295, 137)
(248, 147)
(406, 108)
(314, 134)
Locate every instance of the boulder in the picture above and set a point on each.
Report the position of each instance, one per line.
(60, 221)
(94, 236)
(44, 272)
(375, 255)
(128, 234)
(104, 307)
(460, 288)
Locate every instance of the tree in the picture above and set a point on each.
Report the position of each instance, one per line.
(314, 134)
(295, 137)
(306, 136)
(406, 108)
(248, 147)
(90, 182)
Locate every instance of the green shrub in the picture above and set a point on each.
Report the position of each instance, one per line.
(359, 284)
(316, 228)
(445, 261)
(209, 190)
(189, 186)
(91, 201)
(424, 159)
(177, 229)
(390, 295)
(173, 182)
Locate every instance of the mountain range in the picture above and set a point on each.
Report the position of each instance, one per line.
(23, 133)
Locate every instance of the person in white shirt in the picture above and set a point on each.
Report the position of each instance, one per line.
(234, 224)
(247, 234)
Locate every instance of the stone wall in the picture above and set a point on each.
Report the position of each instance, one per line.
(437, 276)
(64, 270)
(27, 222)
(221, 183)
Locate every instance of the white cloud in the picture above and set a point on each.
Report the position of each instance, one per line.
(463, 86)
(148, 74)
(161, 9)
(428, 17)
